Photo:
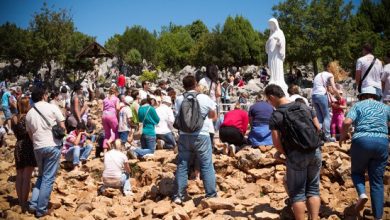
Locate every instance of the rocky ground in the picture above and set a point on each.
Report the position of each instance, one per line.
(250, 186)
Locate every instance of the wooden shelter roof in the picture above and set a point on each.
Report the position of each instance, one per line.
(94, 50)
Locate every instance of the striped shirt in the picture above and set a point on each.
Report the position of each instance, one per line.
(370, 119)
(70, 139)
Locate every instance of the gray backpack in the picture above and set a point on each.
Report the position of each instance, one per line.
(189, 118)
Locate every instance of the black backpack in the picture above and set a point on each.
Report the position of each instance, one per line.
(299, 130)
(189, 118)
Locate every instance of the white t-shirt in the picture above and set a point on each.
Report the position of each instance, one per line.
(374, 76)
(206, 82)
(143, 94)
(206, 104)
(386, 80)
(42, 135)
(320, 83)
(124, 115)
(296, 96)
(167, 118)
(114, 161)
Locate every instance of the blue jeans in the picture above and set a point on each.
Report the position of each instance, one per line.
(124, 135)
(321, 105)
(303, 174)
(200, 145)
(48, 159)
(77, 153)
(370, 153)
(93, 138)
(148, 144)
(169, 140)
(125, 180)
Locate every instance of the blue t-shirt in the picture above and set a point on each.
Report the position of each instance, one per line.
(5, 99)
(370, 118)
(260, 113)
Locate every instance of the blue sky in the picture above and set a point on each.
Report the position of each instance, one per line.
(104, 18)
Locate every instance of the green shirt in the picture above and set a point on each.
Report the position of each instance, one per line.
(148, 115)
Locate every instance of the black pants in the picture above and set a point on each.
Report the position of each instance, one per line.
(231, 135)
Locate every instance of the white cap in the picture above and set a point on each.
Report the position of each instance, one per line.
(167, 99)
(129, 99)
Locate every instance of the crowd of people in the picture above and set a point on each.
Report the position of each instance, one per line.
(137, 121)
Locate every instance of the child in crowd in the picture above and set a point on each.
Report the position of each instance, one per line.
(3, 132)
(338, 108)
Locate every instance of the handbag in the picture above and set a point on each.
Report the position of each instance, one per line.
(138, 133)
(365, 75)
(58, 131)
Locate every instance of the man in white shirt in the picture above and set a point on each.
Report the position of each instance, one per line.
(386, 79)
(47, 149)
(144, 92)
(374, 76)
(165, 137)
(293, 91)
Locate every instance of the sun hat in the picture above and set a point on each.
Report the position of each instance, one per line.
(369, 90)
(167, 99)
(129, 99)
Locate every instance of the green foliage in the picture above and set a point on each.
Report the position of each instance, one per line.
(15, 42)
(174, 49)
(148, 76)
(112, 44)
(133, 57)
(197, 29)
(138, 38)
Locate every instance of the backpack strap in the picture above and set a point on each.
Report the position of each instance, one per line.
(365, 75)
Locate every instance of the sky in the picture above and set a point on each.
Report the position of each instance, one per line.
(104, 18)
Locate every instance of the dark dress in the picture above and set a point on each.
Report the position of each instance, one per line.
(24, 151)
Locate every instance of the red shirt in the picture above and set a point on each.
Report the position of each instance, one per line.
(121, 80)
(236, 118)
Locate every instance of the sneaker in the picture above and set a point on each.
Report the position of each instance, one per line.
(128, 193)
(160, 144)
(225, 149)
(361, 202)
(330, 139)
(232, 150)
(178, 201)
(131, 154)
(147, 156)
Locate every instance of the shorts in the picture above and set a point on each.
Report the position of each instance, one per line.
(7, 113)
(303, 174)
(124, 135)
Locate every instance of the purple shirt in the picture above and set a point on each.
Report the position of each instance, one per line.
(109, 105)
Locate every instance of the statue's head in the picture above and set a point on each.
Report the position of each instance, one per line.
(273, 24)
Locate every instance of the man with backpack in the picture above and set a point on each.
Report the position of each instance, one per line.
(192, 110)
(295, 133)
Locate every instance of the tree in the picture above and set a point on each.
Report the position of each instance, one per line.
(51, 31)
(138, 38)
(174, 49)
(133, 57)
(112, 44)
(197, 29)
(78, 41)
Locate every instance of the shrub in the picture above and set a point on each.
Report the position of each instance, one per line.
(148, 76)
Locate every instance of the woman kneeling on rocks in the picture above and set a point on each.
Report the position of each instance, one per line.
(116, 172)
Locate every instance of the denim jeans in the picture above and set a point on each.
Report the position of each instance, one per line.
(370, 153)
(48, 159)
(200, 145)
(93, 138)
(303, 174)
(124, 135)
(148, 144)
(77, 153)
(169, 140)
(321, 105)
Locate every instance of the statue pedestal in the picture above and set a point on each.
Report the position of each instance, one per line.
(282, 84)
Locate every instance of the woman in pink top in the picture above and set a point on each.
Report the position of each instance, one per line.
(110, 120)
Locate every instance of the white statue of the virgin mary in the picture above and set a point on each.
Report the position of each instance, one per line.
(276, 50)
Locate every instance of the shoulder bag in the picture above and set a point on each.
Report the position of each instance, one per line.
(58, 131)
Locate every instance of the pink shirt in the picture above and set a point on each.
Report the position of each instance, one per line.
(109, 105)
(339, 111)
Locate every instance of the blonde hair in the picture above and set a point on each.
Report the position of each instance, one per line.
(113, 90)
(338, 72)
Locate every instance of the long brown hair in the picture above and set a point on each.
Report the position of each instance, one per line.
(23, 105)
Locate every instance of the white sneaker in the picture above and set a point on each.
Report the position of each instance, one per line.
(160, 144)
(361, 202)
(148, 155)
(128, 193)
(232, 150)
(178, 201)
(225, 149)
